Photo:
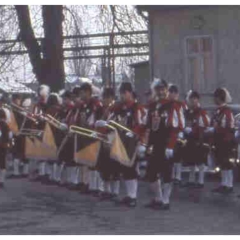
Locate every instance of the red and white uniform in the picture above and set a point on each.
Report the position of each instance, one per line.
(165, 120)
(223, 123)
(90, 112)
(40, 107)
(54, 111)
(198, 120)
(71, 114)
(131, 115)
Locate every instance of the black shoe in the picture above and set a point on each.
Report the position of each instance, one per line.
(78, 186)
(44, 179)
(48, 182)
(36, 179)
(188, 184)
(61, 184)
(92, 192)
(97, 193)
(65, 185)
(14, 176)
(229, 190)
(199, 186)
(165, 206)
(132, 202)
(70, 186)
(154, 204)
(114, 197)
(85, 189)
(75, 187)
(177, 182)
(221, 189)
(123, 201)
(105, 196)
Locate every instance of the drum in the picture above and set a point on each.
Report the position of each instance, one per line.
(123, 147)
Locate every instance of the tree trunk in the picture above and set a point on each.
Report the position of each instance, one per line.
(48, 69)
(29, 40)
(53, 46)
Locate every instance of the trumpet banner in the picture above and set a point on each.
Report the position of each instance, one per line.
(42, 147)
(35, 149)
(123, 148)
(86, 150)
(53, 136)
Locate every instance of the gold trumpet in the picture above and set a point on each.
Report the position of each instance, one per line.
(88, 133)
(52, 121)
(115, 124)
(29, 115)
(31, 132)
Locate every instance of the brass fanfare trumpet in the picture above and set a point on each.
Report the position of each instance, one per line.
(115, 124)
(88, 133)
(24, 112)
(52, 121)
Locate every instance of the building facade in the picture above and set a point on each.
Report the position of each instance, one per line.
(196, 47)
(141, 79)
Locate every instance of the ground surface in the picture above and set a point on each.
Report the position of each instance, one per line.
(32, 208)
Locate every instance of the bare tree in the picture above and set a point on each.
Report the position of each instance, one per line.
(75, 19)
(48, 68)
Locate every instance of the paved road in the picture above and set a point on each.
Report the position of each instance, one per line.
(32, 208)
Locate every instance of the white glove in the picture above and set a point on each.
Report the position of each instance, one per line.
(168, 153)
(100, 123)
(141, 150)
(188, 130)
(130, 134)
(237, 135)
(10, 135)
(210, 130)
(94, 135)
(181, 135)
(63, 126)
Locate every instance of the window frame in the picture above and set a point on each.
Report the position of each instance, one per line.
(200, 54)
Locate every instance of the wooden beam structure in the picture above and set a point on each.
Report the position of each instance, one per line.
(107, 52)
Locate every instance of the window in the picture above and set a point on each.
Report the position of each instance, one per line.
(200, 63)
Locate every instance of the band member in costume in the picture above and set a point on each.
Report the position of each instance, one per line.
(91, 111)
(197, 148)
(173, 95)
(72, 171)
(108, 168)
(26, 105)
(222, 130)
(17, 148)
(165, 121)
(5, 137)
(54, 109)
(68, 118)
(41, 105)
(130, 114)
(67, 105)
(72, 117)
(38, 110)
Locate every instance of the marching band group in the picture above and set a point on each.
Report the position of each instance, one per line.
(168, 133)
